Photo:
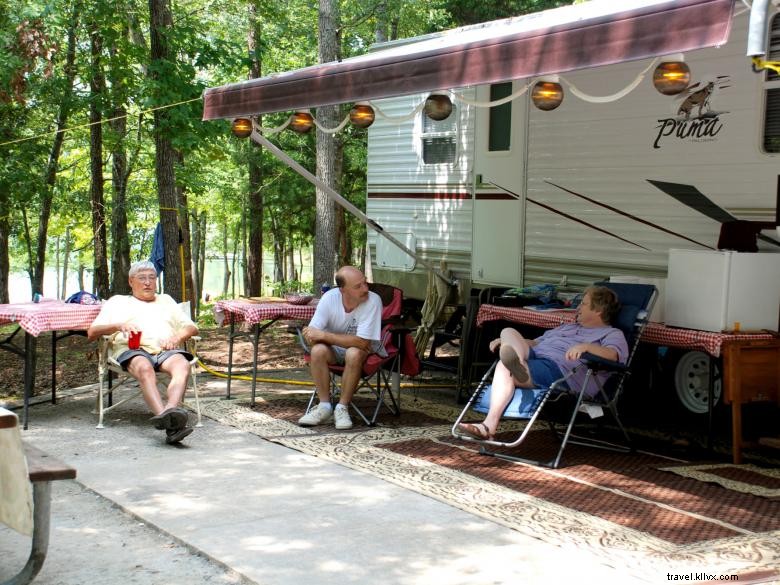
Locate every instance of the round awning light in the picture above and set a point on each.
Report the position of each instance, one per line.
(438, 106)
(241, 127)
(361, 115)
(671, 77)
(547, 95)
(301, 122)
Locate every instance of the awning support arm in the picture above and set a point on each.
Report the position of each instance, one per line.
(337, 198)
(759, 15)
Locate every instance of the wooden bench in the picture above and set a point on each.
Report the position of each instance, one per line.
(27, 510)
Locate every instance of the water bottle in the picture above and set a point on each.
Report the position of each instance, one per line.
(37, 298)
(325, 287)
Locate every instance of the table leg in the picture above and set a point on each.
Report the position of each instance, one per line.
(255, 339)
(54, 367)
(30, 343)
(710, 400)
(230, 359)
(736, 431)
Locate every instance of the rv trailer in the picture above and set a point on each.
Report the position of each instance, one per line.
(607, 183)
(513, 195)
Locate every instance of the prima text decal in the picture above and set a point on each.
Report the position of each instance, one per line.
(703, 127)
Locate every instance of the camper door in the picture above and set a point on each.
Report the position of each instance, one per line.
(499, 187)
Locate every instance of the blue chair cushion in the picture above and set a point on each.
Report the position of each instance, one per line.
(523, 404)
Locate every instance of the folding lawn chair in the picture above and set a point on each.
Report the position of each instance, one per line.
(636, 302)
(381, 375)
(108, 368)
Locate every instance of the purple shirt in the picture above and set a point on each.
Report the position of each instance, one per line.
(554, 344)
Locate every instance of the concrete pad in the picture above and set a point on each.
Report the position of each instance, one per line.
(276, 516)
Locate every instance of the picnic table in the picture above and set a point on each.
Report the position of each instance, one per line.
(26, 510)
(34, 319)
(710, 342)
(750, 362)
(255, 317)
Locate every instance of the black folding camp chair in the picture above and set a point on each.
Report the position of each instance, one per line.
(636, 302)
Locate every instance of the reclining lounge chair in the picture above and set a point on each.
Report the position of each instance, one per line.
(527, 404)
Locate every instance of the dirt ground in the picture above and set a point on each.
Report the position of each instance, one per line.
(77, 358)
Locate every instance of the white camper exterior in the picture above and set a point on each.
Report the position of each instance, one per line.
(433, 184)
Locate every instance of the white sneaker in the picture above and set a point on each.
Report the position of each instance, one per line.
(318, 415)
(343, 420)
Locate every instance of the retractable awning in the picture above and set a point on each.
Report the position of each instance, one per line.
(553, 41)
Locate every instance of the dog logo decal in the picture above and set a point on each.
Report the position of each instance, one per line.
(696, 120)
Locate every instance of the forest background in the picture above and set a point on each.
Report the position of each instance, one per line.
(101, 138)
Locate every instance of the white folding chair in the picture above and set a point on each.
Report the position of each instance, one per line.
(124, 381)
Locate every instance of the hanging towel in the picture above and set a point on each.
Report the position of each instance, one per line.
(158, 250)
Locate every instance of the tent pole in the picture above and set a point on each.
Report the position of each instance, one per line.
(337, 198)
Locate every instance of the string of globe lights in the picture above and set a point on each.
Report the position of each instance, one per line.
(670, 77)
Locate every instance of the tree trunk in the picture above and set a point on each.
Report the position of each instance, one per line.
(50, 176)
(236, 240)
(65, 261)
(254, 267)
(244, 254)
(381, 22)
(5, 264)
(202, 228)
(291, 272)
(197, 293)
(300, 263)
(120, 173)
(165, 156)
(198, 230)
(97, 86)
(325, 229)
(57, 266)
(81, 276)
(343, 243)
(226, 280)
(185, 249)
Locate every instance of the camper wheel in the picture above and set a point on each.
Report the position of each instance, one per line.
(691, 379)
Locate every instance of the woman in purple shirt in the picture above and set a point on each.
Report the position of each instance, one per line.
(537, 363)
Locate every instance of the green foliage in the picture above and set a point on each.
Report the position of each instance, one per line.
(291, 286)
(465, 12)
(205, 319)
(209, 39)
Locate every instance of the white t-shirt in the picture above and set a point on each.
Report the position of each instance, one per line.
(159, 319)
(365, 320)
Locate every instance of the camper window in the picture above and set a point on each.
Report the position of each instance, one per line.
(439, 144)
(500, 123)
(772, 101)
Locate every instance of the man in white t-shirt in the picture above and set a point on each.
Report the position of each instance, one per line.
(164, 329)
(345, 329)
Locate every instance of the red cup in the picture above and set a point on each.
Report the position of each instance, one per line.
(134, 340)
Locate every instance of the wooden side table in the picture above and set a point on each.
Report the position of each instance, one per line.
(751, 373)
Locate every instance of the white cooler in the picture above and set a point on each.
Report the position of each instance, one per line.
(723, 290)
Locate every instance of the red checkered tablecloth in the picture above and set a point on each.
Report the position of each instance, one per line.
(236, 311)
(49, 315)
(656, 333)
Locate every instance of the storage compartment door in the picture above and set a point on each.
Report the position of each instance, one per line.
(496, 258)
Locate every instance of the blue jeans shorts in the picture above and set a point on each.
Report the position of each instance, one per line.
(543, 371)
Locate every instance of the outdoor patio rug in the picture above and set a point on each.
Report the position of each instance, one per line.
(622, 506)
(748, 479)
